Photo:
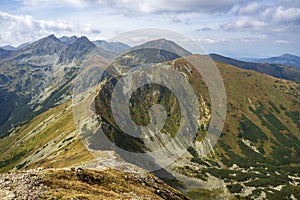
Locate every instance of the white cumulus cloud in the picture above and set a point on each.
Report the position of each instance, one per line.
(287, 15)
(17, 29)
(265, 18)
(244, 23)
(249, 8)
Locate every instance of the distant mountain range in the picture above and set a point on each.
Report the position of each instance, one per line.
(108, 46)
(285, 59)
(277, 70)
(12, 48)
(8, 47)
(111, 46)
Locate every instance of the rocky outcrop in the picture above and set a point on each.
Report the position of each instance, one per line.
(72, 183)
(22, 185)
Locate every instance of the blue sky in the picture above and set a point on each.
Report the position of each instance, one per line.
(237, 28)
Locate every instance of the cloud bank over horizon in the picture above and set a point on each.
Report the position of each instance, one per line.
(231, 27)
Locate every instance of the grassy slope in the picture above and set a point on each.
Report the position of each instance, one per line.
(253, 99)
(106, 184)
(264, 111)
(48, 140)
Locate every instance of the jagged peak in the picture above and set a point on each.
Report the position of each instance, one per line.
(52, 37)
(82, 40)
(47, 45)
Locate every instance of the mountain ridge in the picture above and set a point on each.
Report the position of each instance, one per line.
(257, 154)
(111, 46)
(275, 70)
(68, 40)
(166, 45)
